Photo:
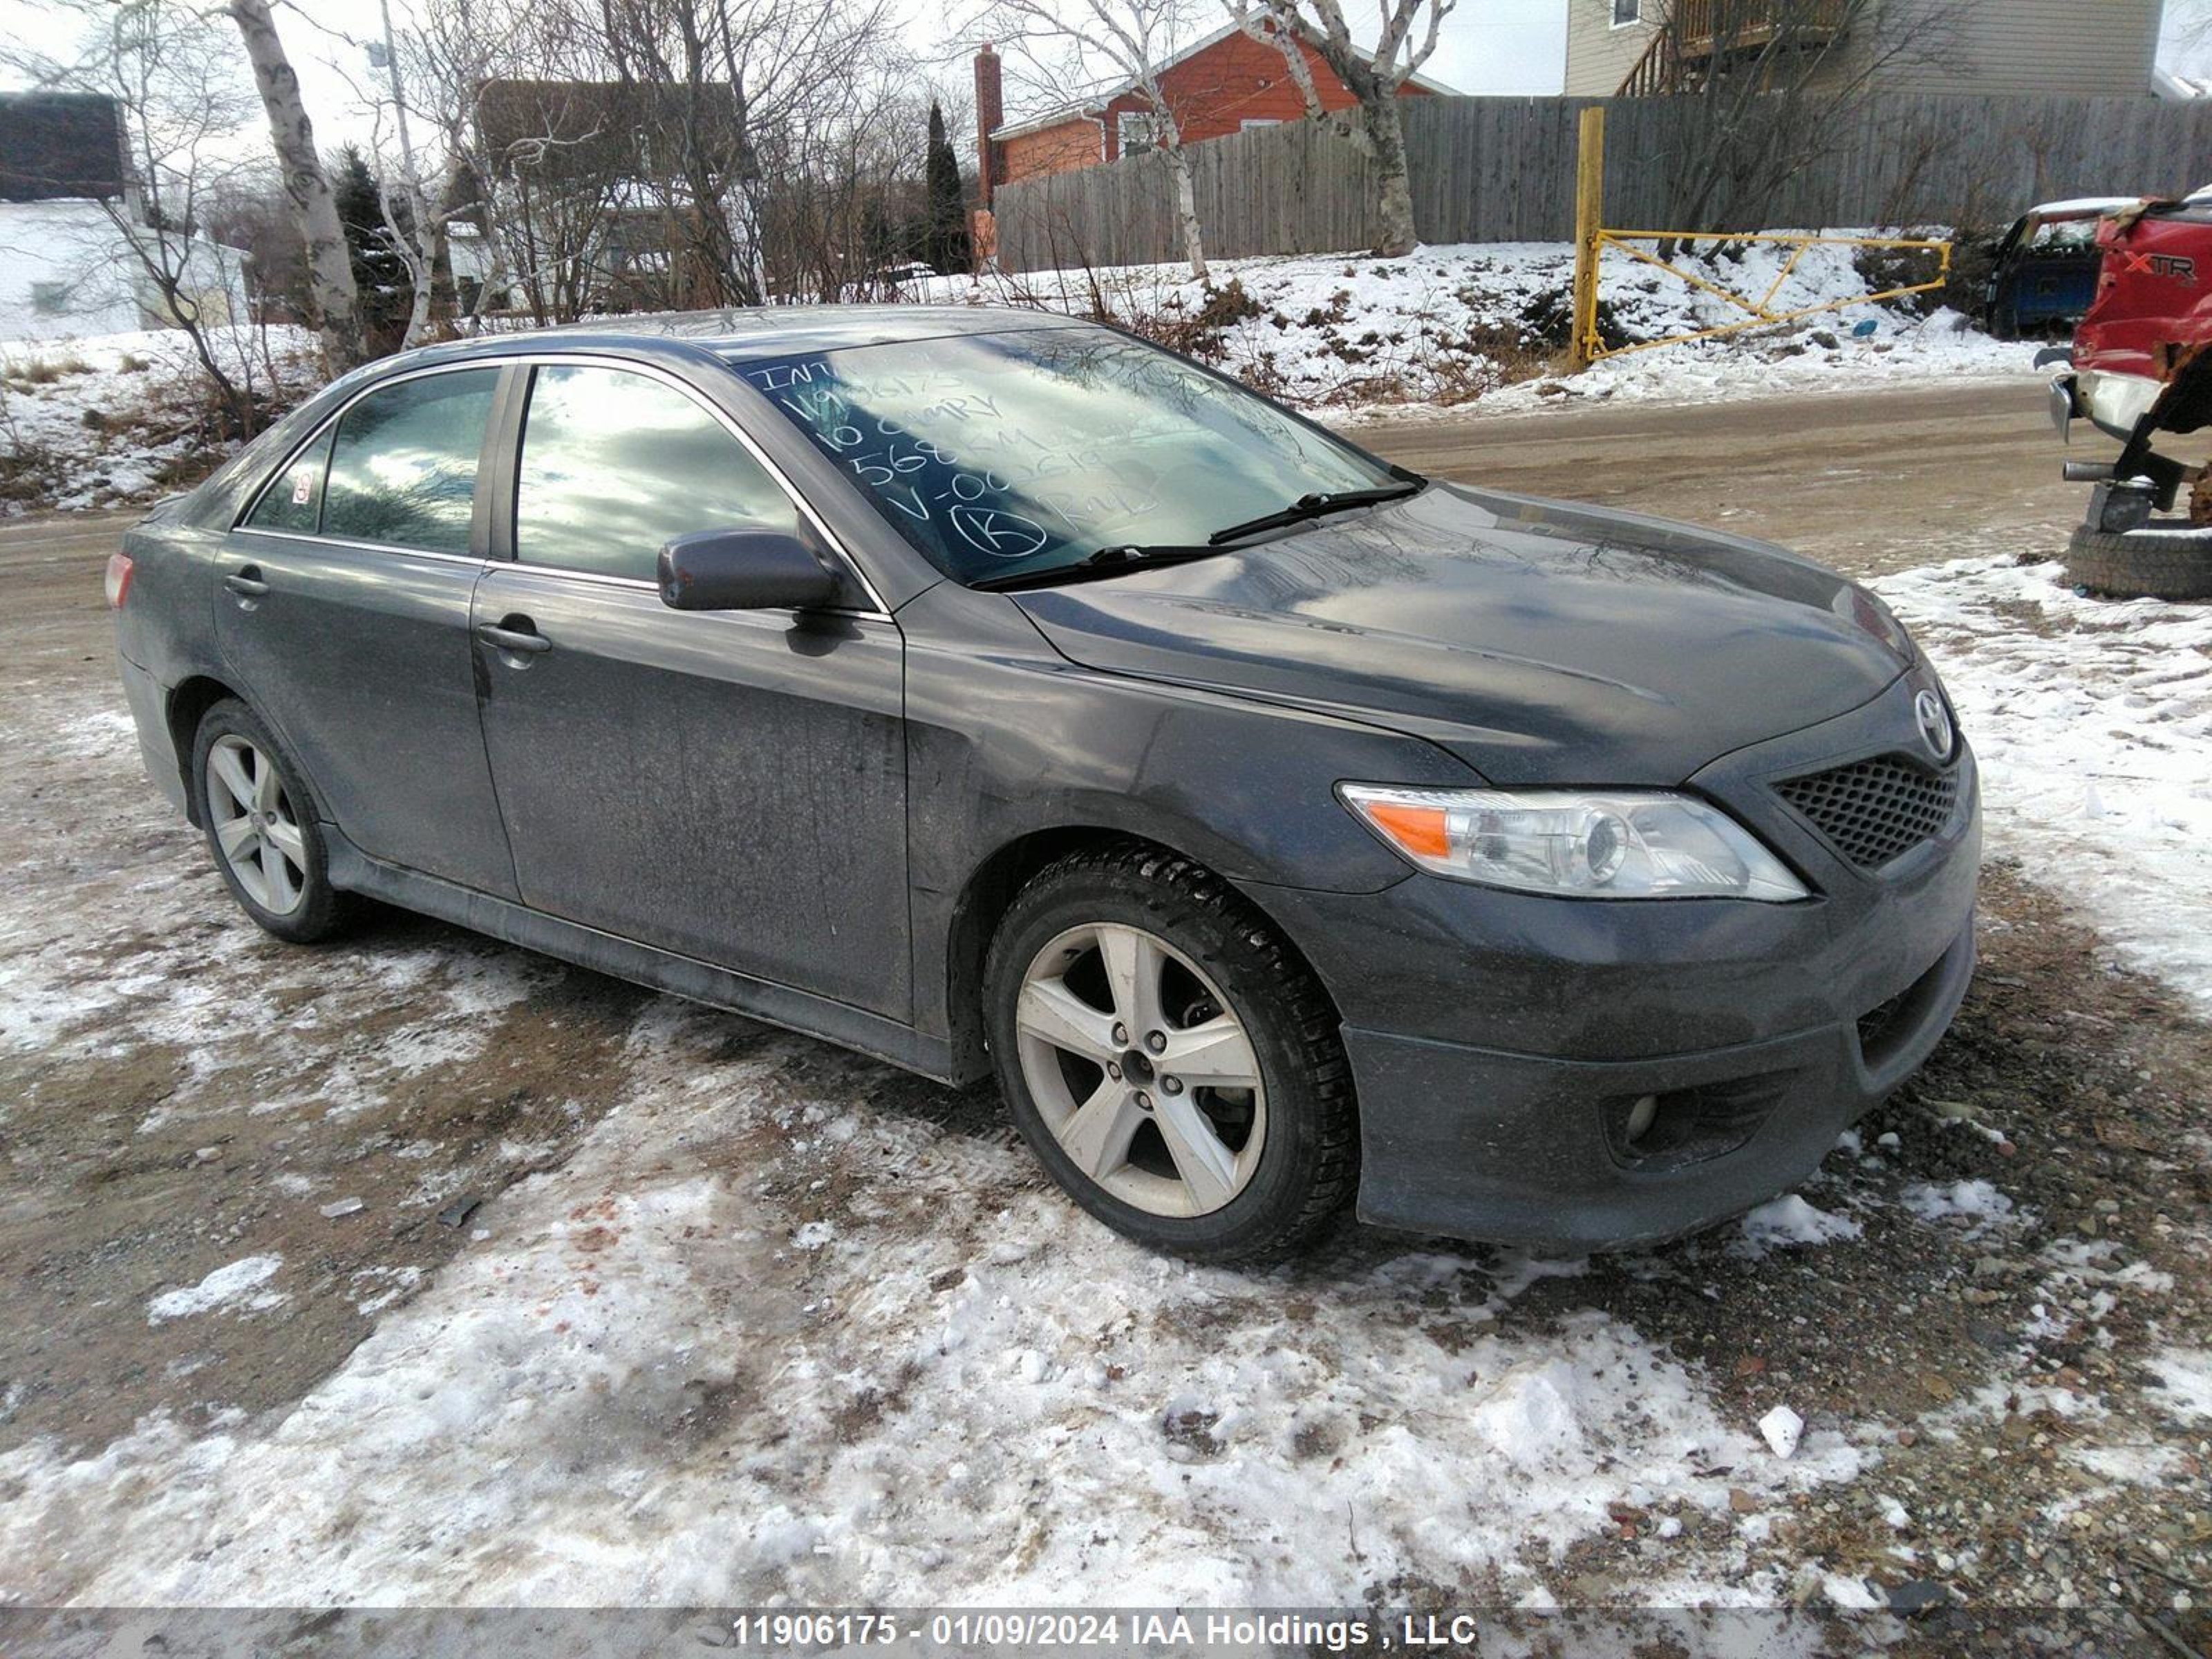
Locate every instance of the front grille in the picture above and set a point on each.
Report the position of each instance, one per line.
(1876, 810)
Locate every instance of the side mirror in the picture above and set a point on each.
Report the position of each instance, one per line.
(744, 570)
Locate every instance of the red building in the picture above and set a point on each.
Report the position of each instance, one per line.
(1219, 85)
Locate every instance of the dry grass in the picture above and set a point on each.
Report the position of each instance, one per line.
(44, 370)
(109, 439)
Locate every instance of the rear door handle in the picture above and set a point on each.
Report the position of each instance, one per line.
(524, 639)
(247, 583)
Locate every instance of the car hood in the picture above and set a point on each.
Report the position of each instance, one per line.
(1540, 642)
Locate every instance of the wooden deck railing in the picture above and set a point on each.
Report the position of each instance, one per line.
(1698, 30)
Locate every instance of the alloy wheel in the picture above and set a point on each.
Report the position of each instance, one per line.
(1141, 1070)
(256, 828)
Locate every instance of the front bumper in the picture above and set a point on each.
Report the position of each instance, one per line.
(1502, 1043)
(1529, 1150)
(2114, 403)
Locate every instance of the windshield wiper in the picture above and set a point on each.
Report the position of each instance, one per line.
(1312, 507)
(1134, 557)
(1092, 564)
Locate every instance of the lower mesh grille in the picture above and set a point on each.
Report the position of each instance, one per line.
(1876, 810)
(1875, 1024)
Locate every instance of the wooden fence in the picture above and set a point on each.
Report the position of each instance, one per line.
(1502, 169)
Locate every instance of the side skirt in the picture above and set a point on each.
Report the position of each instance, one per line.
(659, 971)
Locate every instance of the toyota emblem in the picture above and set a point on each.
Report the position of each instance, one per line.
(1935, 723)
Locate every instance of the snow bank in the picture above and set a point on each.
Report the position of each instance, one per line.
(1366, 336)
(2092, 723)
(1451, 324)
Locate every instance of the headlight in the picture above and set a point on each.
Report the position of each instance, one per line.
(1620, 846)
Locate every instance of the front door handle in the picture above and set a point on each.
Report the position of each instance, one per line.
(520, 637)
(247, 583)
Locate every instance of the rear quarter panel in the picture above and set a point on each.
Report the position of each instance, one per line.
(165, 635)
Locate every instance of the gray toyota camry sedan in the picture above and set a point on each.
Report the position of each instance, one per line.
(997, 694)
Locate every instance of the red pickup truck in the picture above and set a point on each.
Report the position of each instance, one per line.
(2141, 367)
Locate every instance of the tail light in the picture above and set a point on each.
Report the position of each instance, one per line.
(118, 579)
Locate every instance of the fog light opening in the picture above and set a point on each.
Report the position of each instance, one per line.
(1669, 1129)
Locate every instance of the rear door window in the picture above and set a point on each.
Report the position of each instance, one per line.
(615, 464)
(403, 468)
(293, 499)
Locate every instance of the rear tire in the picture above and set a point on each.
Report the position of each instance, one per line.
(2160, 561)
(1131, 985)
(262, 830)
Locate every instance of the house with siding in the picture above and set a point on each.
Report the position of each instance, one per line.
(75, 235)
(1224, 83)
(2056, 48)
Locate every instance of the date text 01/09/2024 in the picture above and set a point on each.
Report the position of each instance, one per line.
(1106, 1631)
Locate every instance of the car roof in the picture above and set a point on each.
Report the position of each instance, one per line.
(749, 334)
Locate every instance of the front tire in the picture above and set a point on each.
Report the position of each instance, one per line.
(261, 827)
(1169, 1061)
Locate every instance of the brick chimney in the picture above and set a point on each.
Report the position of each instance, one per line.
(990, 113)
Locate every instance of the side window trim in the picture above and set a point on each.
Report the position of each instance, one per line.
(487, 453)
(507, 421)
(491, 532)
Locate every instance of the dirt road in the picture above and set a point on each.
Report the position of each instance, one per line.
(773, 1319)
(1867, 481)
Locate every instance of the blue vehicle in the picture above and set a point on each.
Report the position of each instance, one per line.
(2045, 273)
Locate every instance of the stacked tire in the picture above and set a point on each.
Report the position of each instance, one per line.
(2171, 560)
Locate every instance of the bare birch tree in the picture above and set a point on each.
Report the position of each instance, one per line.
(292, 133)
(415, 183)
(1406, 38)
(1085, 52)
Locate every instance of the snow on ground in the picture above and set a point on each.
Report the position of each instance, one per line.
(885, 1376)
(225, 1284)
(1969, 1204)
(114, 418)
(2092, 722)
(1789, 1220)
(2185, 1384)
(108, 419)
(892, 1348)
(1450, 323)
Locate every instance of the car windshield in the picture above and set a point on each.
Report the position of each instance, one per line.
(999, 455)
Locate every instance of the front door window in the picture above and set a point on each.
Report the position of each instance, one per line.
(404, 465)
(614, 464)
